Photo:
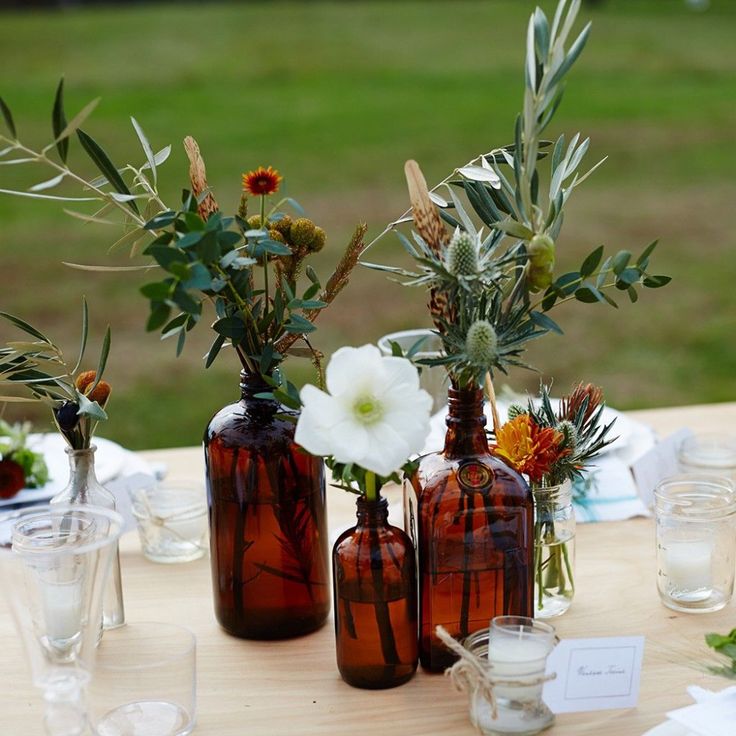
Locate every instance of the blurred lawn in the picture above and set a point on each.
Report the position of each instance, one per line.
(337, 96)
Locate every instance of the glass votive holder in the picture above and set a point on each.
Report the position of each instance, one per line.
(144, 682)
(172, 521)
(709, 453)
(696, 542)
(516, 648)
(433, 379)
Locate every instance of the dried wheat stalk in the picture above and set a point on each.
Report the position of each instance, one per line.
(198, 179)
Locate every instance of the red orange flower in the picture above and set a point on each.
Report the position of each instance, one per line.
(262, 181)
(529, 448)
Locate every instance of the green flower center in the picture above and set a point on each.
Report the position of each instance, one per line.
(367, 409)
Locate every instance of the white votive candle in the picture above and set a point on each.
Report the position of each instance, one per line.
(186, 521)
(512, 657)
(689, 565)
(62, 609)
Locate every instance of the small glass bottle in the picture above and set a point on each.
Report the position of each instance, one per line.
(84, 488)
(696, 542)
(472, 522)
(554, 550)
(374, 579)
(268, 523)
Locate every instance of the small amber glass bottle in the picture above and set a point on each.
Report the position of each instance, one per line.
(374, 577)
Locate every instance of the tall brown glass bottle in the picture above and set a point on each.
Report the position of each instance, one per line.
(472, 521)
(267, 521)
(374, 578)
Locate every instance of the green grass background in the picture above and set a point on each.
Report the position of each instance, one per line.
(338, 95)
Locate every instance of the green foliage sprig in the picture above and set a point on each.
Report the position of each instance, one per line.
(205, 257)
(507, 283)
(725, 646)
(76, 398)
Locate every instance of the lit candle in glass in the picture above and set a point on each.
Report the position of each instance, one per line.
(689, 567)
(517, 648)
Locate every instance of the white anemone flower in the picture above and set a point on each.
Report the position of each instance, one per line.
(374, 414)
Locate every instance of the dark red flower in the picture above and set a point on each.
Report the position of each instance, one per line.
(12, 478)
(262, 181)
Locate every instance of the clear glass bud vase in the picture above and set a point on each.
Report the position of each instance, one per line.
(84, 489)
(554, 550)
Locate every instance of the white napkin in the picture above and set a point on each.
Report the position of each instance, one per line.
(714, 714)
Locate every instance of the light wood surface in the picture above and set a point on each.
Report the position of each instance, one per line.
(292, 687)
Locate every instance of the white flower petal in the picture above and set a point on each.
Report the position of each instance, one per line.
(320, 412)
(399, 372)
(350, 369)
(349, 442)
(387, 452)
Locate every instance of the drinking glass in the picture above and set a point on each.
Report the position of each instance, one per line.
(144, 682)
(711, 453)
(696, 542)
(54, 565)
(172, 521)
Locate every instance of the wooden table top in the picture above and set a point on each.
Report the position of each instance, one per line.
(293, 687)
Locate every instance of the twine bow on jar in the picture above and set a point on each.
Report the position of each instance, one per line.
(473, 674)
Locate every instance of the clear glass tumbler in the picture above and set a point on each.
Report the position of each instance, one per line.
(172, 521)
(54, 566)
(696, 542)
(710, 453)
(144, 682)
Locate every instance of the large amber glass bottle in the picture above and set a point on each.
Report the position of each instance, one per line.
(268, 527)
(374, 576)
(472, 521)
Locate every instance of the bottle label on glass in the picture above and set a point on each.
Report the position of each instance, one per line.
(474, 476)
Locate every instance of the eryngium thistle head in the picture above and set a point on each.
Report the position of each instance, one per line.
(462, 255)
(516, 410)
(481, 343)
(569, 435)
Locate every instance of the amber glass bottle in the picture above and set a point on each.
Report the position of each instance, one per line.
(374, 577)
(267, 521)
(472, 521)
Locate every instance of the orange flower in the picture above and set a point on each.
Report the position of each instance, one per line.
(570, 405)
(262, 181)
(101, 391)
(528, 448)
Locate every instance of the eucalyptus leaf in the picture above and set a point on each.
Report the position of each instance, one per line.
(85, 333)
(49, 183)
(146, 146)
(76, 122)
(58, 121)
(480, 173)
(8, 117)
(103, 163)
(33, 195)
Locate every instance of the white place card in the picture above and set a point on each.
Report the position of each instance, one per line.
(657, 464)
(594, 674)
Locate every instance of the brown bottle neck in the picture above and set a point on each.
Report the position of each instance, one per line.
(371, 514)
(466, 423)
(252, 384)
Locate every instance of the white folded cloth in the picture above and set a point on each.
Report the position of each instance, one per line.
(714, 714)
